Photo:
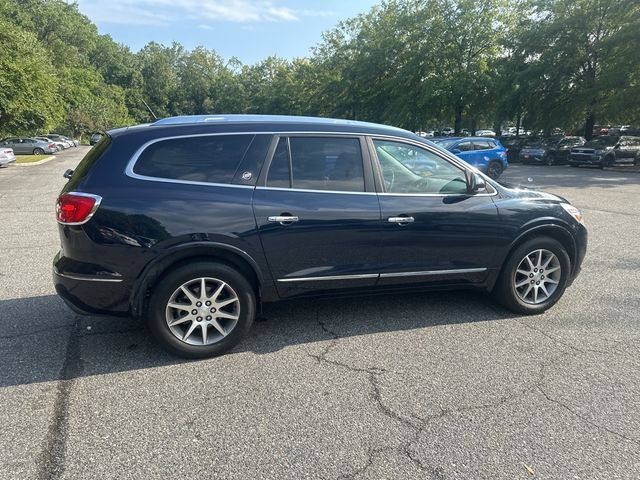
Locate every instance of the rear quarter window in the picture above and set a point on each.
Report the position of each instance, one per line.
(210, 159)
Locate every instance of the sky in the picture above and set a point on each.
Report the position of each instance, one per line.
(250, 30)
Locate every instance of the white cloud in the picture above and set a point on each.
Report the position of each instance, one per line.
(166, 12)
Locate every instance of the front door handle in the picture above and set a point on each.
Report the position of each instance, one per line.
(401, 220)
(283, 219)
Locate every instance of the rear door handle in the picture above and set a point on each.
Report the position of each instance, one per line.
(401, 220)
(283, 219)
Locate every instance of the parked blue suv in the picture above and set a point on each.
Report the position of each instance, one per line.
(193, 222)
(486, 154)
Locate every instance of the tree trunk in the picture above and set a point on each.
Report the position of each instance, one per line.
(518, 123)
(457, 127)
(588, 125)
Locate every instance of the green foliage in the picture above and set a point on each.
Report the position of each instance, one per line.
(411, 63)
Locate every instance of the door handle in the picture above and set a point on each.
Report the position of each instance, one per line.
(283, 219)
(401, 220)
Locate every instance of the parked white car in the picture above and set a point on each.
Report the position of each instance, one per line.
(427, 134)
(6, 156)
(485, 133)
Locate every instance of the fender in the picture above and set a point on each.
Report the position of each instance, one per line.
(560, 226)
(176, 253)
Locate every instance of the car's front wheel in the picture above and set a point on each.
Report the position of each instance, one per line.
(534, 276)
(201, 309)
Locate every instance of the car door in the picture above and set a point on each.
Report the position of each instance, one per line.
(20, 147)
(465, 151)
(433, 231)
(317, 214)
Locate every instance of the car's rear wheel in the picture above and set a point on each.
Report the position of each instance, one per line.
(494, 170)
(534, 276)
(551, 159)
(201, 309)
(38, 151)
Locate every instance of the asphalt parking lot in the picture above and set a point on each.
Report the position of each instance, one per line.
(440, 386)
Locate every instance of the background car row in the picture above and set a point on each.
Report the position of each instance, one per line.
(38, 145)
(601, 151)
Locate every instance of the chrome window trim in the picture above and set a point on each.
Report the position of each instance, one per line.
(98, 200)
(341, 192)
(87, 279)
(436, 150)
(384, 275)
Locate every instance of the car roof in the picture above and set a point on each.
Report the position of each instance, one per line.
(467, 138)
(238, 122)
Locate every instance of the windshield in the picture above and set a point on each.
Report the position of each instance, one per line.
(602, 142)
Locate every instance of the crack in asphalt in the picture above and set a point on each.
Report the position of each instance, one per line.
(585, 419)
(51, 463)
(419, 424)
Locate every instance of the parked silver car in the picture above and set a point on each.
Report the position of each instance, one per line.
(6, 156)
(61, 138)
(59, 145)
(29, 146)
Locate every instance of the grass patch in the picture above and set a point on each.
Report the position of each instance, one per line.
(30, 158)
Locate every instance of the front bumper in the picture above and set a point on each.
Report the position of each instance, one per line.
(581, 239)
(584, 159)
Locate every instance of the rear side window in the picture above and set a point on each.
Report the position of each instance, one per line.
(317, 163)
(211, 159)
(484, 145)
(90, 158)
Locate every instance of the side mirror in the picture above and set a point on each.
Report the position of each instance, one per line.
(475, 182)
(68, 174)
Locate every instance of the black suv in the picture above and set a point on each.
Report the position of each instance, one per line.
(549, 151)
(193, 222)
(607, 151)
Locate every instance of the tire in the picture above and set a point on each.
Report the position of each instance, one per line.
(608, 161)
(636, 161)
(511, 297)
(38, 151)
(495, 169)
(551, 159)
(168, 290)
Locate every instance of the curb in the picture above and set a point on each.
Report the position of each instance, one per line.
(39, 162)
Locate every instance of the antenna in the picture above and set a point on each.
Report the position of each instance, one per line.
(150, 111)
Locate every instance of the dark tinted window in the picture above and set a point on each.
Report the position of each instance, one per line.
(212, 159)
(279, 173)
(325, 163)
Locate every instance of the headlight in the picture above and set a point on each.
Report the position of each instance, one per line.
(573, 211)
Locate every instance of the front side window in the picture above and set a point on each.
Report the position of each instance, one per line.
(317, 163)
(410, 169)
(465, 146)
(210, 159)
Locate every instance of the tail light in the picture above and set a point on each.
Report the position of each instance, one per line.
(76, 208)
(52, 145)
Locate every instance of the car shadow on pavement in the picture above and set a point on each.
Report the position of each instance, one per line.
(41, 340)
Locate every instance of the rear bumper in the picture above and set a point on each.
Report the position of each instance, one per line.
(91, 294)
(7, 160)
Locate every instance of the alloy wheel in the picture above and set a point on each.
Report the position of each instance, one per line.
(537, 276)
(202, 311)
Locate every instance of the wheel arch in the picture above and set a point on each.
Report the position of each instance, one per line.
(189, 253)
(557, 232)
